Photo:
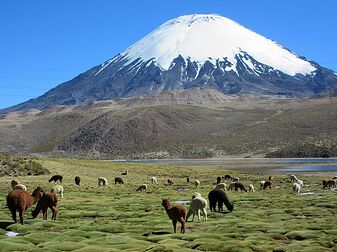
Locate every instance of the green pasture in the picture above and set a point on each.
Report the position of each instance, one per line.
(116, 217)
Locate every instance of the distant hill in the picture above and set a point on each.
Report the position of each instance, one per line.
(239, 126)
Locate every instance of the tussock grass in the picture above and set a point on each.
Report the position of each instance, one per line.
(116, 217)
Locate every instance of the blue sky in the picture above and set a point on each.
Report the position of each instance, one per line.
(44, 43)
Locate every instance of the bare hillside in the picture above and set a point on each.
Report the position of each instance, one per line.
(142, 128)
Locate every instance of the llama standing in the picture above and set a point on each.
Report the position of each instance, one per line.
(19, 200)
(175, 213)
(296, 188)
(251, 188)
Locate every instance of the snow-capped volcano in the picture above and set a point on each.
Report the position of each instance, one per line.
(202, 38)
(204, 51)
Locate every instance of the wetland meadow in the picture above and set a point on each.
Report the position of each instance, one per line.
(116, 217)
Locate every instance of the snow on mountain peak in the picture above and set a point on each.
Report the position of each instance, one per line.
(212, 37)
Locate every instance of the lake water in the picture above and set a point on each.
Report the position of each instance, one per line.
(252, 164)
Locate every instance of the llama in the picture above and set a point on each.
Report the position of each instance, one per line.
(227, 177)
(124, 173)
(58, 189)
(329, 184)
(196, 183)
(251, 188)
(142, 187)
(47, 200)
(119, 180)
(220, 186)
(55, 178)
(175, 213)
(20, 187)
(220, 197)
(187, 179)
(154, 180)
(14, 182)
(198, 204)
(267, 184)
(296, 188)
(218, 180)
(102, 181)
(19, 200)
(240, 186)
(77, 180)
(169, 182)
(262, 184)
(236, 186)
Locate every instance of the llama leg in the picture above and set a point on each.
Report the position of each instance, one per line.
(174, 222)
(13, 211)
(198, 214)
(182, 230)
(45, 213)
(21, 215)
(204, 211)
(55, 212)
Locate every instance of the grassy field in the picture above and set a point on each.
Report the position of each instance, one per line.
(116, 217)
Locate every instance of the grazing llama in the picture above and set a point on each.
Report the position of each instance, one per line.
(154, 180)
(102, 181)
(77, 180)
(142, 187)
(220, 197)
(47, 200)
(55, 178)
(196, 183)
(251, 188)
(198, 204)
(267, 184)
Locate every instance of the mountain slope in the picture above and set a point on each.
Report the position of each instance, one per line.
(207, 51)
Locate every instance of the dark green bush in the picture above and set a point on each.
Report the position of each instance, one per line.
(18, 166)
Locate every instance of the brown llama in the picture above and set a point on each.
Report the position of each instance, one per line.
(47, 200)
(169, 182)
(119, 180)
(55, 178)
(19, 200)
(175, 213)
(239, 185)
(77, 180)
(267, 184)
(329, 184)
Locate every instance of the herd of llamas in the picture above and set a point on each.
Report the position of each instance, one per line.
(19, 200)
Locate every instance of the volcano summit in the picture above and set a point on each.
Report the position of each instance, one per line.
(204, 51)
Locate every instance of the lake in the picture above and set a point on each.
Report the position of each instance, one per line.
(262, 165)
